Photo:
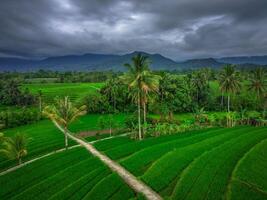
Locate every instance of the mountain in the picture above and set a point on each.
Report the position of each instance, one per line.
(86, 62)
(101, 62)
(198, 63)
(257, 60)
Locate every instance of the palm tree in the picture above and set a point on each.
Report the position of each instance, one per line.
(257, 82)
(15, 148)
(150, 83)
(64, 113)
(199, 82)
(229, 80)
(110, 90)
(40, 95)
(140, 81)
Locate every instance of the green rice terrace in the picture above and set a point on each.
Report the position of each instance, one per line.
(215, 163)
(76, 91)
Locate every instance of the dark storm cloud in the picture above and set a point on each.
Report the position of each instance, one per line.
(178, 29)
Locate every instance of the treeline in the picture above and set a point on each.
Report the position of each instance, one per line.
(12, 95)
(186, 93)
(44, 76)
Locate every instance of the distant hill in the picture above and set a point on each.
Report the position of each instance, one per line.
(199, 63)
(101, 62)
(90, 62)
(257, 60)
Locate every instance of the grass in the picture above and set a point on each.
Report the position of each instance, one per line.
(213, 169)
(62, 176)
(45, 137)
(215, 163)
(76, 91)
(162, 163)
(250, 175)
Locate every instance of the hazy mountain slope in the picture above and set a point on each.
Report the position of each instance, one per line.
(100, 62)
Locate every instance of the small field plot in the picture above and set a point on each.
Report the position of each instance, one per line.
(73, 174)
(44, 137)
(76, 91)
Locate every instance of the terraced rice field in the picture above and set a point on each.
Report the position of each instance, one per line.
(76, 91)
(208, 164)
(45, 137)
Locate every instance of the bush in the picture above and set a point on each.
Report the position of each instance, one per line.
(17, 118)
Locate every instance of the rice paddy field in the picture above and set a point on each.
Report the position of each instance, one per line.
(215, 163)
(44, 137)
(76, 91)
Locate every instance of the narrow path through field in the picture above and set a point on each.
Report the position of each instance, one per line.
(130, 179)
(52, 153)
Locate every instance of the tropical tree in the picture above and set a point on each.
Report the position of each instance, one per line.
(64, 113)
(40, 95)
(14, 148)
(140, 81)
(229, 80)
(258, 83)
(110, 90)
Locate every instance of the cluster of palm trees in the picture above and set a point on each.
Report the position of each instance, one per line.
(141, 82)
(230, 83)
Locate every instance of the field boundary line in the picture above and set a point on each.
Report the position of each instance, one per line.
(76, 181)
(54, 152)
(192, 163)
(50, 177)
(129, 178)
(233, 175)
(250, 185)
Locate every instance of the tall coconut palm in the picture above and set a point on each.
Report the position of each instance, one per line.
(140, 81)
(229, 80)
(257, 82)
(150, 83)
(40, 95)
(15, 148)
(64, 113)
(199, 81)
(110, 90)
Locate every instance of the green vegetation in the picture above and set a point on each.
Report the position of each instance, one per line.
(76, 91)
(53, 173)
(249, 176)
(64, 113)
(201, 133)
(45, 137)
(200, 161)
(14, 148)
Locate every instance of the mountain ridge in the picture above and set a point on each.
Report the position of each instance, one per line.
(102, 62)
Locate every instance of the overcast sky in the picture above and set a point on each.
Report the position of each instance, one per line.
(178, 29)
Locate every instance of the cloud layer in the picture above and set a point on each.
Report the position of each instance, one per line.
(177, 29)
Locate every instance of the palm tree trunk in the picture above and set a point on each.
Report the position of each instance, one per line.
(139, 117)
(228, 103)
(40, 104)
(19, 161)
(66, 138)
(222, 98)
(144, 105)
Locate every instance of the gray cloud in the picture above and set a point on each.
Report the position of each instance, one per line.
(177, 29)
